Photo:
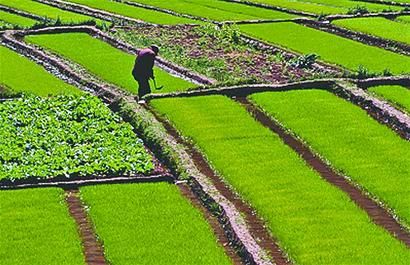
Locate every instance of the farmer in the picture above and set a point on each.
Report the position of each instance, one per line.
(143, 71)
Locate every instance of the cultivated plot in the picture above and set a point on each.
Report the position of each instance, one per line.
(19, 74)
(47, 11)
(103, 60)
(331, 48)
(217, 10)
(37, 229)
(151, 224)
(325, 6)
(379, 27)
(67, 136)
(314, 221)
(16, 20)
(134, 12)
(397, 95)
(369, 153)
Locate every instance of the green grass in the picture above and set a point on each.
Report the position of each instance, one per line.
(369, 153)
(314, 222)
(217, 10)
(16, 19)
(19, 74)
(66, 136)
(378, 26)
(331, 48)
(47, 11)
(404, 19)
(134, 12)
(324, 6)
(105, 61)
(151, 224)
(398, 95)
(36, 229)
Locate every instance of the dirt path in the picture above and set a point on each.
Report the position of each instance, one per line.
(377, 213)
(255, 225)
(92, 249)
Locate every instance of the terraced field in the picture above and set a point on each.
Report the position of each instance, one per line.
(397, 95)
(379, 27)
(103, 60)
(17, 20)
(19, 74)
(283, 190)
(333, 49)
(271, 139)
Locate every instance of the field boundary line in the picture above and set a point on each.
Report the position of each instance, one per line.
(162, 63)
(23, 13)
(377, 212)
(288, 54)
(277, 8)
(347, 89)
(387, 44)
(95, 13)
(166, 11)
(168, 151)
(86, 181)
(209, 180)
(387, 2)
(92, 249)
(389, 15)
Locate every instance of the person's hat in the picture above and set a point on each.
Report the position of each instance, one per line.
(154, 48)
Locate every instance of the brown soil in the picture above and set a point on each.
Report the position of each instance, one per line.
(377, 213)
(92, 249)
(240, 60)
(255, 225)
(218, 231)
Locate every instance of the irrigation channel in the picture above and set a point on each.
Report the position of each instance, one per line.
(239, 230)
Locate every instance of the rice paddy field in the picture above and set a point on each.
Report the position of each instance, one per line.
(263, 140)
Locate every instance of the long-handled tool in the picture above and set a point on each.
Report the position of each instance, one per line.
(155, 85)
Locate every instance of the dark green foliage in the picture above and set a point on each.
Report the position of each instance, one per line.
(66, 136)
(304, 61)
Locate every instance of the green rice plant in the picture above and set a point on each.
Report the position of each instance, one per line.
(331, 48)
(47, 11)
(370, 154)
(36, 229)
(314, 222)
(397, 95)
(217, 10)
(403, 19)
(134, 12)
(103, 60)
(19, 74)
(151, 224)
(378, 26)
(66, 136)
(16, 19)
(323, 6)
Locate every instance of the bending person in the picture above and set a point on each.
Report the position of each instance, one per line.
(143, 69)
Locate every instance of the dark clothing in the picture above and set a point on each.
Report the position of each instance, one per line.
(143, 70)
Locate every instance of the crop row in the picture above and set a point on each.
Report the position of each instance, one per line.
(134, 12)
(143, 223)
(324, 6)
(46, 11)
(14, 19)
(377, 26)
(331, 48)
(67, 136)
(368, 153)
(103, 60)
(315, 222)
(397, 95)
(19, 74)
(216, 10)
